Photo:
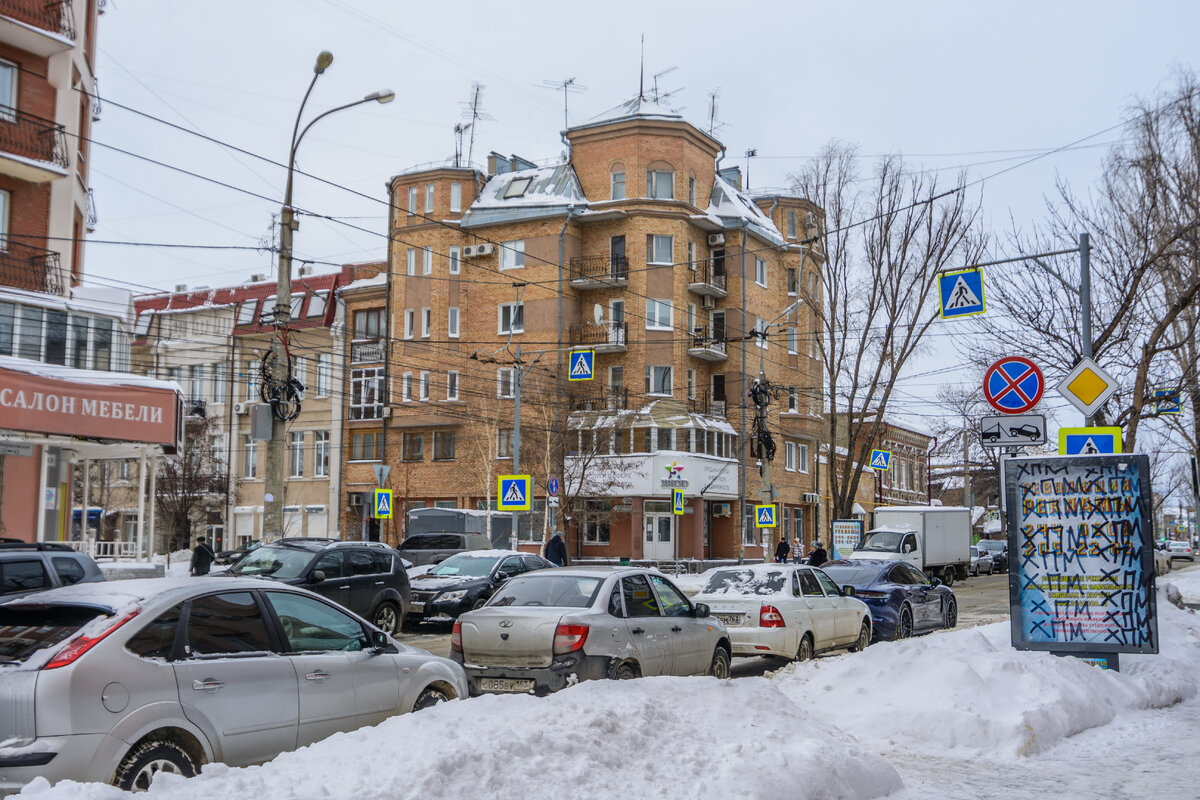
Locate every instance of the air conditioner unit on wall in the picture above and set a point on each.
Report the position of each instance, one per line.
(484, 249)
(708, 301)
(469, 251)
(716, 239)
(386, 412)
(721, 509)
(241, 408)
(810, 497)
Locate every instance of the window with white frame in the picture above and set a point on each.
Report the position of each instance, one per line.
(8, 91)
(412, 200)
(793, 283)
(691, 255)
(659, 249)
(452, 385)
(410, 261)
(802, 457)
(296, 454)
(512, 254)
(321, 454)
(427, 261)
(691, 384)
(300, 370)
(760, 329)
(406, 387)
(760, 272)
(793, 340)
(616, 379)
(249, 457)
(366, 393)
(317, 301)
(793, 401)
(428, 197)
(749, 529)
(369, 323)
(789, 456)
(195, 383)
(452, 322)
(510, 318)
(456, 196)
(220, 373)
(410, 317)
(691, 190)
(660, 183)
(251, 379)
(791, 223)
(658, 380)
(426, 322)
(658, 315)
(324, 374)
(423, 386)
(455, 260)
(505, 382)
(618, 182)
(504, 443)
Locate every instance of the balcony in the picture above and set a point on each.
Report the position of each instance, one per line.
(704, 404)
(43, 28)
(610, 399)
(366, 352)
(31, 148)
(599, 272)
(707, 277)
(32, 268)
(603, 337)
(708, 345)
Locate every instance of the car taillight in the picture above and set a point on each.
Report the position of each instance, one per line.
(769, 617)
(870, 593)
(456, 637)
(568, 638)
(81, 644)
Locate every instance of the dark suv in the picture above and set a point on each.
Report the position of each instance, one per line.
(32, 566)
(366, 577)
(434, 548)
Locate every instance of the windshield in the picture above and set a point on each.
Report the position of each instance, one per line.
(882, 542)
(279, 562)
(24, 631)
(994, 546)
(468, 566)
(745, 581)
(561, 591)
(851, 574)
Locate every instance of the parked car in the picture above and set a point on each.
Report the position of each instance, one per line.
(366, 577)
(466, 581)
(549, 629)
(999, 551)
(33, 566)
(981, 561)
(432, 548)
(787, 610)
(238, 553)
(117, 681)
(1181, 550)
(902, 600)
(1162, 560)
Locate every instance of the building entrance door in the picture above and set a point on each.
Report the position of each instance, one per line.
(659, 544)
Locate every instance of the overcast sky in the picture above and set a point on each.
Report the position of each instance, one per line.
(948, 84)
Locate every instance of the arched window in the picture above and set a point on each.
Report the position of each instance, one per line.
(660, 181)
(617, 176)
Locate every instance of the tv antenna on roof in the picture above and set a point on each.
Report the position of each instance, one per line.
(713, 125)
(658, 75)
(473, 110)
(566, 87)
(459, 129)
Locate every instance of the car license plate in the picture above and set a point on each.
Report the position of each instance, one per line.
(415, 607)
(505, 685)
(730, 619)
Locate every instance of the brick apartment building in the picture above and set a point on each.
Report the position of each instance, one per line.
(640, 247)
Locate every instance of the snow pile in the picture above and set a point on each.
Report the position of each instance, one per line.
(967, 693)
(646, 738)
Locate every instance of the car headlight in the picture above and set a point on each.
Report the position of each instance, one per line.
(459, 595)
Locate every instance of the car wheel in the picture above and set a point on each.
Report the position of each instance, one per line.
(387, 618)
(479, 603)
(904, 627)
(430, 696)
(864, 639)
(623, 671)
(719, 668)
(948, 576)
(148, 759)
(951, 613)
(805, 651)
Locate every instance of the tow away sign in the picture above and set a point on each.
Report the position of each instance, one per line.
(1013, 430)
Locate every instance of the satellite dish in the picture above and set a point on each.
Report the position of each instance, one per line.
(598, 313)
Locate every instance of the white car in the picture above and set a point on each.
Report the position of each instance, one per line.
(1181, 550)
(981, 561)
(787, 610)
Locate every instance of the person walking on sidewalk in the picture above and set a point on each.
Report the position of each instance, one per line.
(556, 550)
(202, 557)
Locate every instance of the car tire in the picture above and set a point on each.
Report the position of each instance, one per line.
(479, 603)
(951, 618)
(149, 758)
(948, 576)
(623, 671)
(430, 696)
(863, 640)
(805, 651)
(387, 618)
(719, 668)
(904, 625)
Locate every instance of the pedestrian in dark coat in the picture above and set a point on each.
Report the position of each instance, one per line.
(202, 557)
(817, 557)
(781, 551)
(556, 550)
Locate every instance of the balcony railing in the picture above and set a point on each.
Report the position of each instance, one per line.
(55, 16)
(707, 276)
(610, 399)
(366, 352)
(32, 137)
(708, 344)
(703, 403)
(603, 337)
(25, 267)
(590, 272)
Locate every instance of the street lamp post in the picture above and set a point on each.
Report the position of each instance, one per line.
(280, 363)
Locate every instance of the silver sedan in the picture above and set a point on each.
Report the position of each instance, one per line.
(549, 629)
(117, 681)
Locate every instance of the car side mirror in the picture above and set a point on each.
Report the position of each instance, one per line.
(701, 610)
(381, 643)
(935, 582)
(848, 591)
(316, 576)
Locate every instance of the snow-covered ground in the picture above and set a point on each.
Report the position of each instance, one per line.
(953, 714)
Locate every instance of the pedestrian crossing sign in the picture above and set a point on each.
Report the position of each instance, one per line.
(764, 516)
(514, 492)
(383, 504)
(677, 501)
(961, 293)
(1089, 441)
(881, 459)
(581, 364)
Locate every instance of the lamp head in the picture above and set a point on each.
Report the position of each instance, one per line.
(382, 96)
(324, 59)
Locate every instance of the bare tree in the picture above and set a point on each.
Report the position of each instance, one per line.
(192, 483)
(883, 241)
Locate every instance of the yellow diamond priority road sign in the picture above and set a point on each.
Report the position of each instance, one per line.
(1087, 387)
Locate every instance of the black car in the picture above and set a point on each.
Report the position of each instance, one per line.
(366, 577)
(466, 581)
(238, 553)
(32, 566)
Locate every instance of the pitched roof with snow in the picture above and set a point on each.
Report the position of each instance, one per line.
(731, 208)
(525, 194)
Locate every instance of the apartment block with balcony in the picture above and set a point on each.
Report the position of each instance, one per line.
(639, 249)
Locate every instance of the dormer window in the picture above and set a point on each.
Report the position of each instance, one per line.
(517, 188)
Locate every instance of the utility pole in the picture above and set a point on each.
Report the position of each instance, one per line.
(968, 500)
(516, 456)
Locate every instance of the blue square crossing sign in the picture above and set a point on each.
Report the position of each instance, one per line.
(581, 365)
(764, 516)
(881, 459)
(677, 501)
(961, 293)
(381, 505)
(513, 492)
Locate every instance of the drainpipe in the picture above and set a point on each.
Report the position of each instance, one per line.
(742, 389)
(559, 368)
(341, 391)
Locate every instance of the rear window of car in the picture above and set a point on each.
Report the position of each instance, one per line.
(441, 541)
(26, 630)
(558, 591)
(851, 576)
(746, 581)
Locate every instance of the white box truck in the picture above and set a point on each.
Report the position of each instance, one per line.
(934, 539)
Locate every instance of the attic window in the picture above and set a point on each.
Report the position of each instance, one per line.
(246, 312)
(143, 323)
(517, 187)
